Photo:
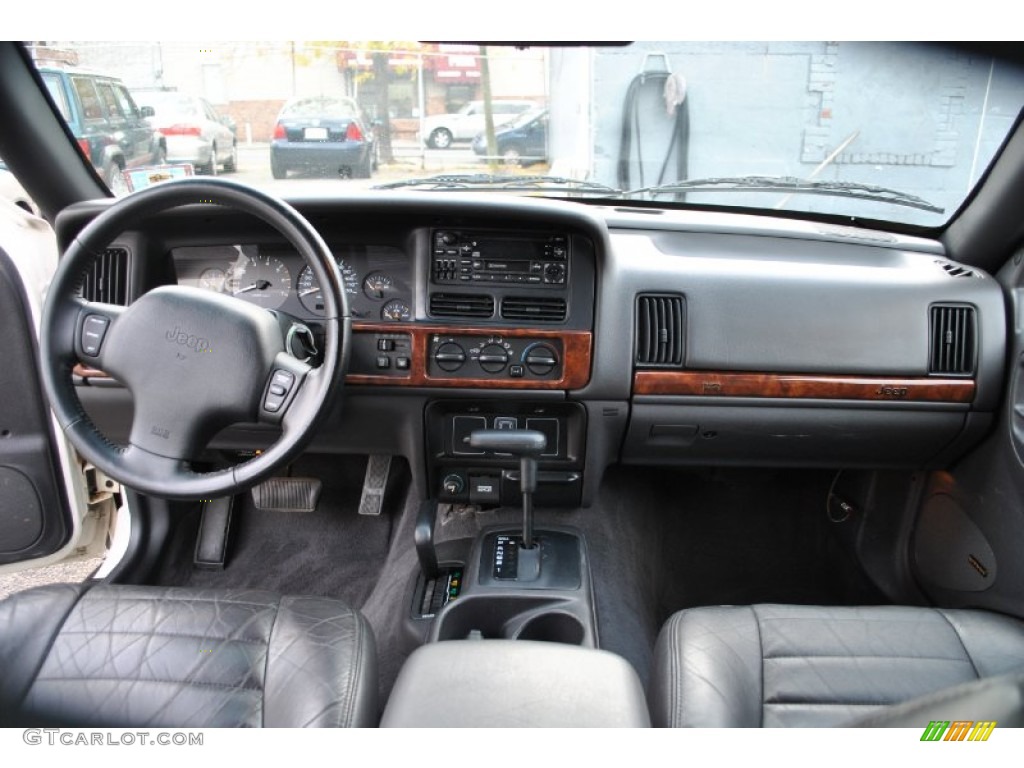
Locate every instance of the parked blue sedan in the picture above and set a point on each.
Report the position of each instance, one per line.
(323, 135)
(522, 142)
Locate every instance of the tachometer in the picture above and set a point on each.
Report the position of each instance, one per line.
(308, 287)
(261, 280)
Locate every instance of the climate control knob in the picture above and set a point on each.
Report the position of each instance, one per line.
(449, 356)
(541, 359)
(493, 358)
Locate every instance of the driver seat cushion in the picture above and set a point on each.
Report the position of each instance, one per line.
(125, 656)
(806, 666)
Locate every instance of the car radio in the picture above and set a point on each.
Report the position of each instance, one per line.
(472, 257)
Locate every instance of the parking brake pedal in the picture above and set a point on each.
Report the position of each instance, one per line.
(378, 468)
(212, 540)
(287, 494)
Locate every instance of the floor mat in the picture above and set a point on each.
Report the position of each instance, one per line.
(331, 552)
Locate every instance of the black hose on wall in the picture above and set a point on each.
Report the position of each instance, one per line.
(632, 123)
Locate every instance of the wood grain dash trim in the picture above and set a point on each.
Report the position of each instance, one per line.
(713, 384)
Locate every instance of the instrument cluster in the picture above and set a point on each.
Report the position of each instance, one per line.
(377, 278)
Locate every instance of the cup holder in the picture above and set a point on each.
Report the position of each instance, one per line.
(512, 618)
(553, 627)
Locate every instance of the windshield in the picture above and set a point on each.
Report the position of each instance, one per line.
(895, 132)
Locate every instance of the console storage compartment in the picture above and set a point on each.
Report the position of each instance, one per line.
(515, 683)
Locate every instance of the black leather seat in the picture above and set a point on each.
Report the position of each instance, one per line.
(133, 656)
(804, 666)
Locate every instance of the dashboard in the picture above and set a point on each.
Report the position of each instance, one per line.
(624, 335)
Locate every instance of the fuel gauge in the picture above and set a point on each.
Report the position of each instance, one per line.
(395, 310)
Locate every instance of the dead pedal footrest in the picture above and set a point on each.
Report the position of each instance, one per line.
(287, 494)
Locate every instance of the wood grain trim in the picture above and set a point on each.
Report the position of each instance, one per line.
(801, 386)
(576, 346)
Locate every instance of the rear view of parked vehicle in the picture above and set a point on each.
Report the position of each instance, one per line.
(111, 130)
(327, 136)
(194, 131)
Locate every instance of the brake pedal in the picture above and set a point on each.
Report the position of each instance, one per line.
(378, 467)
(287, 494)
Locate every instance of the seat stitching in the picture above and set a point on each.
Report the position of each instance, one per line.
(141, 633)
(800, 702)
(960, 640)
(865, 656)
(353, 674)
(134, 681)
(760, 642)
(185, 599)
(266, 664)
(45, 656)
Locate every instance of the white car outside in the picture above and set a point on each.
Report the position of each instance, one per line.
(441, 130)
(194, 131)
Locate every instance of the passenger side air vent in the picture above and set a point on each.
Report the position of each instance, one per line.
(659, 331)
(457, 305)
(952, 340)
(106, 279)
(539, 309)
(955, 270)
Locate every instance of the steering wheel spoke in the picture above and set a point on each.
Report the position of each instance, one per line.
(283, 387)
(94, 324)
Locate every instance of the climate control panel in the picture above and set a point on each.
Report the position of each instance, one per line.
(495, 357)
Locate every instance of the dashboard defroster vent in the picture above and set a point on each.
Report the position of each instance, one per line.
(459, 305)
(659, 331)
(106, 279)
(540, 309)
(955, 270)
(952, 337)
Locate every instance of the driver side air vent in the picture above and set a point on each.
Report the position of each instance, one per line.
(458, 305)
(539, 309)
(659, 331)
(952, 337)
(106, 279)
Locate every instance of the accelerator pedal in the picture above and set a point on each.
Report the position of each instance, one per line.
(378, 467)
(287, 494)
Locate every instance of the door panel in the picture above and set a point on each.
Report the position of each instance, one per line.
(35, 520)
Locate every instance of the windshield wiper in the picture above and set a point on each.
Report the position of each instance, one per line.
(792, 185)
(501, 182)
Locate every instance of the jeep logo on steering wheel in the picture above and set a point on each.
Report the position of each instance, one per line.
(195, 343)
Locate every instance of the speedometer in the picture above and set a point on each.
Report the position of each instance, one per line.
(308, 287)
(259, 279)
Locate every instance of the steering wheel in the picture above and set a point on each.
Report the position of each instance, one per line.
(194, 361)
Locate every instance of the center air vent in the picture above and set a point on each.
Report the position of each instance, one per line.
(457, 305)
(106, 279)
(952, 340)
(539, 309)
(659, 331)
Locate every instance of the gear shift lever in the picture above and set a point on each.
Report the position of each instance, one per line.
(527, 444)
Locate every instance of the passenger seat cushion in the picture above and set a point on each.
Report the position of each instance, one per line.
(776, 665)
(127, 656)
